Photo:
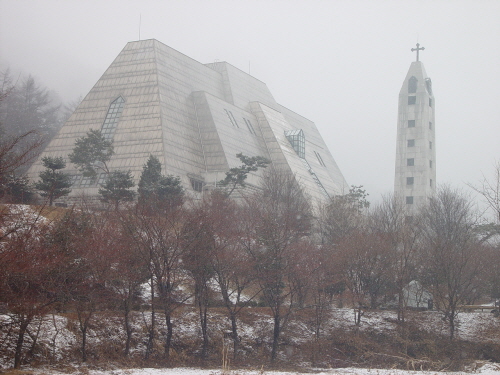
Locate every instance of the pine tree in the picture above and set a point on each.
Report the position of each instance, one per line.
(117, 188)
(237, 175)
(18, 189)
(91, 153)
(156, 189)
(53, 184)
(151, 175)
(28, 106)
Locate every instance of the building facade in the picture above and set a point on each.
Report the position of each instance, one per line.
(415, 175)
(153, 100)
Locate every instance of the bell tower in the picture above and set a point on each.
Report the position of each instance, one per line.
(415, 174)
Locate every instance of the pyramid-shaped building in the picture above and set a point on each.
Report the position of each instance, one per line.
(195, 118)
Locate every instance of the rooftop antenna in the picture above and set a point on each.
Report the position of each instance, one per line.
(140, 19)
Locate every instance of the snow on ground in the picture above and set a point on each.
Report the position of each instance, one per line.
(60, 335)
(19, 218)
(486, 369)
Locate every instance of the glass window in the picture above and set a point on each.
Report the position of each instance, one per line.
(197, 185)
(230, 117)
(409, 200)
(430, 145)
(430, 163)
(298, 141)
(409, 180)
(430, 125)
(411, 143)
(431, 182)
(111, 120)
(412, 85)
(86, 182)
(410, 162)
(75, 179)
(411, 123)
(235, 122)
(320, 159)
(430, 102)
(101, 180)
(412, 100)
(249, 126)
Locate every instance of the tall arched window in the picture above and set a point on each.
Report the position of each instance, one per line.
(111, 120)
(412, 85)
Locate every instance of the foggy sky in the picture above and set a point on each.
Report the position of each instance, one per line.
(339, 63)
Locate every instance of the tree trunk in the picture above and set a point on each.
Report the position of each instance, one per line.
(203, 308)
(276, 336)
(20, 340)
(34, 338)
(401, 306)
(84, 321)
(151, 334)
(234, 328)
(451, 319)
(232, 317)
(84, 344)
(128, 326)
(170, 328)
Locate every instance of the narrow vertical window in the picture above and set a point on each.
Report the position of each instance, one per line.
(320, 159)
(412, 85)
(112, 118)
(430, 163)
(430, 145)
(230, 118)
(430, 125)
(430, 102)
(430, 183)
(235, 122)
(249, 126)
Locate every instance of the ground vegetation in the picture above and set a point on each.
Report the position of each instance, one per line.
(260, 278)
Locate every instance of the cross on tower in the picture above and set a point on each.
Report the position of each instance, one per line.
(418, 49)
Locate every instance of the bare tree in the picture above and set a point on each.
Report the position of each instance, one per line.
(158, 236)
(364, 258)
(489, 189)
(451, 253)
(390, 219)
(233, 269)
(342, 215)
(128, 270)
(27, 285)
(279, 216)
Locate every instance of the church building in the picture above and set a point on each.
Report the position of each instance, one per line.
(153, 100)
(415, 177)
